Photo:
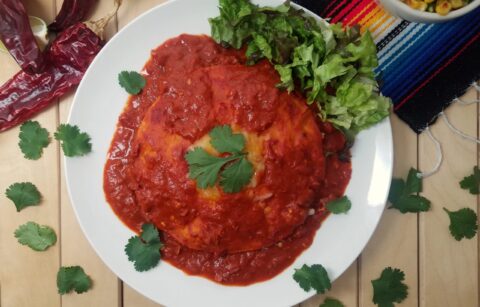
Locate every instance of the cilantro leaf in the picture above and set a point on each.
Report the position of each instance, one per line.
(144, 251)
(403, 196)
(223, 140)
(463, 223)
(204, 167)
(74, 142)
(131, 81)
(235, 171)
(414, 182)
(236, 175)
(472, 182)
(339, 205)
(331, 302)
(312, 277)
(412, 203)
(37, 237)
(73, 278)
(23, 194)
(33, 139)
(389, 288)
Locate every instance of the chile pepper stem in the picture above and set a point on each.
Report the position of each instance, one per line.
(98, 26)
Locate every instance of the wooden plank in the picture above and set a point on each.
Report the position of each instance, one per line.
(344, 289)
(75, 248)
(28, 278)
(128, 11)
(394, 242)
(449, 269)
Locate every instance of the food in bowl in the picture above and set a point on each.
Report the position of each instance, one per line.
(441, 7)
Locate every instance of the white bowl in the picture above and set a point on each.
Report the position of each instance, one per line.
(400, 9)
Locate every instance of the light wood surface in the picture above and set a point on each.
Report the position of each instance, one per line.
(439, 270)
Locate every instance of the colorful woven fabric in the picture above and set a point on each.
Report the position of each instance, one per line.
(422, 67)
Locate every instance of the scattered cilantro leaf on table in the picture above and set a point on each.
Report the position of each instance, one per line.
(331, 302)
(131, 81)
(37, 237)
(339, 205)
(144, 250)
(74, 142)
(463, 223)
(389, 288)
(403, 196)
(23, 194)
(73, 278)
(312, 277)
(472, 182)
(235, 171)
(33, 139)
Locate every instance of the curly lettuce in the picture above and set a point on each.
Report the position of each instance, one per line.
(331, 65)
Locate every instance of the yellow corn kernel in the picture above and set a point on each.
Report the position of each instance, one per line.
(456, 4)
(418, 5)
(443, 7)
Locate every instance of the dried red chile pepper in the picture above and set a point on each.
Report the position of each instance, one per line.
(68, 58)
(72, 11)
(17, 36)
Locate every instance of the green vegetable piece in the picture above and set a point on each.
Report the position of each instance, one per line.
(414, 182)
(74, 142)
(340, 205)
(412, 204)
(389, 288)
(224, 140)
(463, 223)
(331, 302)
(310, 55)
(131, 81)
(37, 237)
(312, 277)
(73, 278)
(472, 182)
(23, 194)
(144, 250)
(402, 196)
(236, 175)
(235, 171)
(205, 167)
(33, 139)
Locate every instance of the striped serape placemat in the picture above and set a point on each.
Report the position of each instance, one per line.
(422, 67)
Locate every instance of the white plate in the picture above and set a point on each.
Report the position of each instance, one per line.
(98, 103)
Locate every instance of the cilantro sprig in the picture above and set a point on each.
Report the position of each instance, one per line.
(37, 237)
(403, 194)
(74, 142)
(339, 205)
(463, 223)
(313, 277)
(389, 288)
(33, 139)
(23, 194)
(144, 250)
(234, 170)
(73, 279)
(131, 81)
(472, 182)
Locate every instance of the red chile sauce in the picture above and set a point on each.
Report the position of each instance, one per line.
(171, 60)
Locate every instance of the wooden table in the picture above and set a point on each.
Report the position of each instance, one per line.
(439, 270)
